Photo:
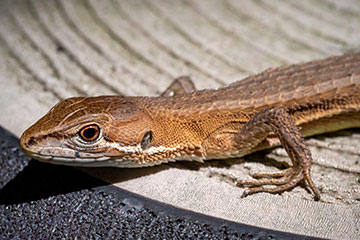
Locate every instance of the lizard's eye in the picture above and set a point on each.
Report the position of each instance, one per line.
(146, 140)
(89, 133)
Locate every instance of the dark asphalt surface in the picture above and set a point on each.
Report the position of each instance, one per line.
(44, 201)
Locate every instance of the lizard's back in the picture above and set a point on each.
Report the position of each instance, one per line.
(310, 90)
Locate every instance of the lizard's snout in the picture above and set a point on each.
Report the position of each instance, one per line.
(27, 142)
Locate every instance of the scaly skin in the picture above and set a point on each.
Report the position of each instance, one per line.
(256, 113)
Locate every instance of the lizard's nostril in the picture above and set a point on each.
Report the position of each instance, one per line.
(27, 142)
(31, 142)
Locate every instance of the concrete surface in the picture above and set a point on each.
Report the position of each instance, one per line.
(50, 50)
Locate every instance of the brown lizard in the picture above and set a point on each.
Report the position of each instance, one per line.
(277, 106)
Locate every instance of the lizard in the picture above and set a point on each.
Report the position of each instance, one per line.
(279, 106)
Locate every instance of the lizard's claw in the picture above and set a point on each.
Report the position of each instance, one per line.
(283, 180)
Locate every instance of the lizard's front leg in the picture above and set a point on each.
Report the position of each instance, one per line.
(277, 120)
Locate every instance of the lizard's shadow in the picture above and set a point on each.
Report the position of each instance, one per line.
(117, 175)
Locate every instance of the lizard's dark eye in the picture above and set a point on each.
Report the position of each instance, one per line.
(146, 140)
(89, 133)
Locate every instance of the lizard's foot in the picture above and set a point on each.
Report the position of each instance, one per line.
(277, 120)
(283, 180)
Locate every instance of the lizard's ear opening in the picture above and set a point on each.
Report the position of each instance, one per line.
(146, 140)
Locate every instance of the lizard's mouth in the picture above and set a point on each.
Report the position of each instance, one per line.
(70, 157)
(64, 156)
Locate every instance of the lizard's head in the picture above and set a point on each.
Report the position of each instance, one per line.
(97, 131)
